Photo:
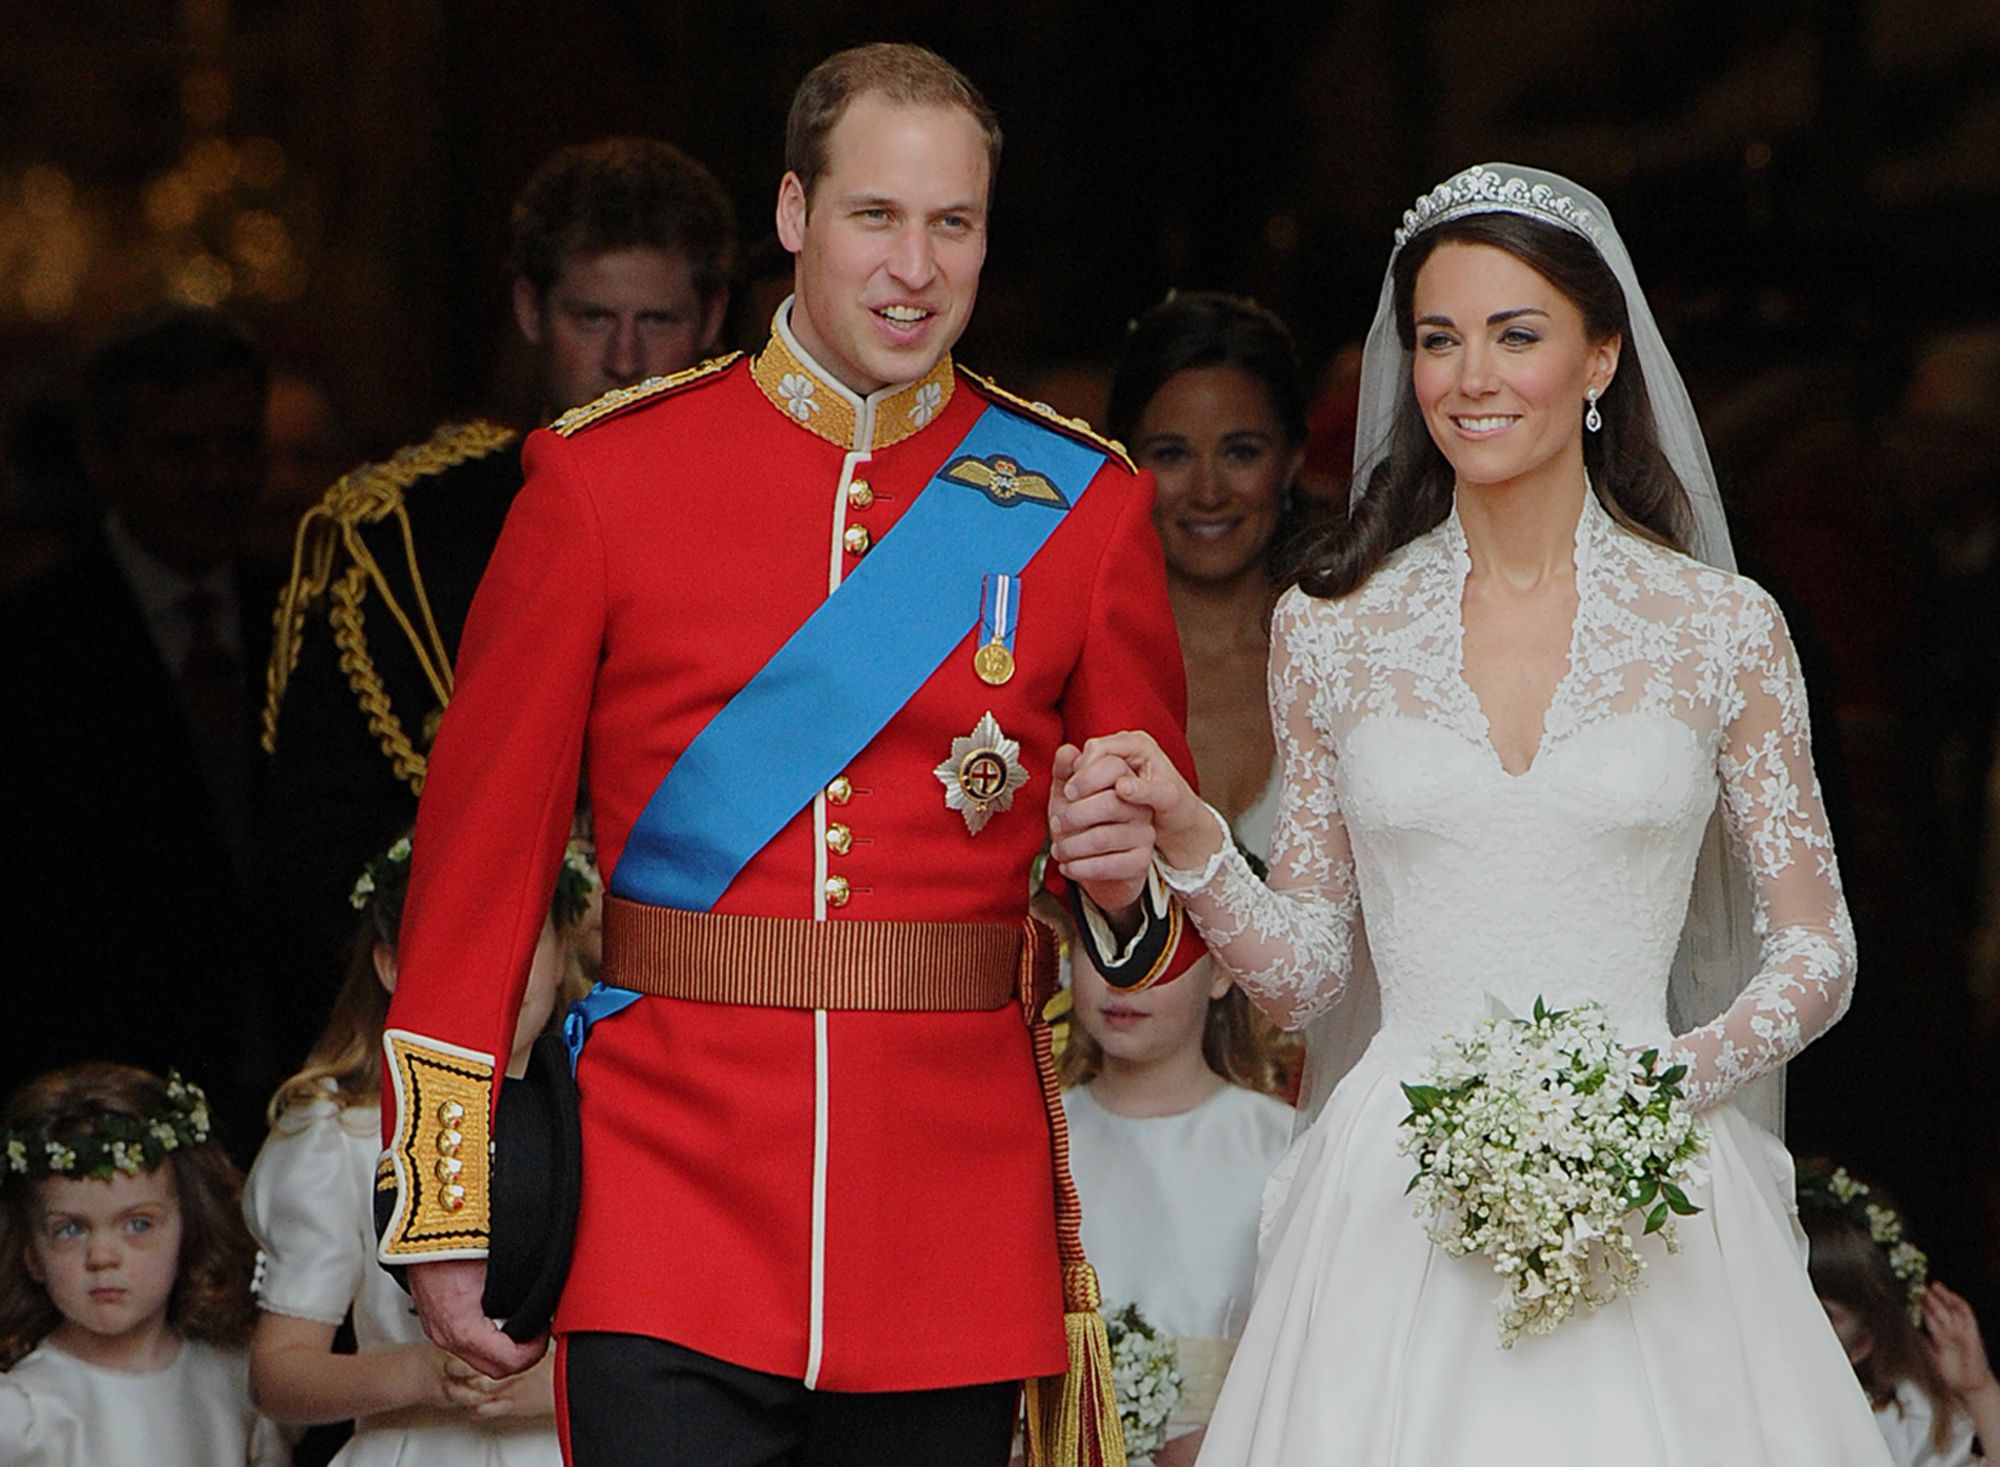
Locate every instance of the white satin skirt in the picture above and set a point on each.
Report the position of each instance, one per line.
(1368, 1346)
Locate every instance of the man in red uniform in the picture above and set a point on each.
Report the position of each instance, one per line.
(817, 623)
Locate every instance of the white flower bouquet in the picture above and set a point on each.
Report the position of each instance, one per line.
(1145, 1376)
(1535, 1140)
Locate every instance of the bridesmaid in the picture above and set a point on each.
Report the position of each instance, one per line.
(1208, 398)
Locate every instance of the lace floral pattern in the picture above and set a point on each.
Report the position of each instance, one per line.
(1569, 880)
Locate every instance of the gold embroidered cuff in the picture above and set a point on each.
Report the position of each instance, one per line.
(441, 1152)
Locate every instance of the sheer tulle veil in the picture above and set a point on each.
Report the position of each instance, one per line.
(1719, 949)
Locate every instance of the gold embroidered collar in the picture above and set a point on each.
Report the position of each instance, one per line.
(810, 397)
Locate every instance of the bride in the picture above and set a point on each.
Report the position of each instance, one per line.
(1508, 704)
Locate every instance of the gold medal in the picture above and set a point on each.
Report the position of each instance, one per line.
(994, 663)
(982, 774)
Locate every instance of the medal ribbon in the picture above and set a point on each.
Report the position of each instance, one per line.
(998, 614)
(816, 703)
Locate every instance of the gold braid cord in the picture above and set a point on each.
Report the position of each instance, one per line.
(333, 566)
(1072, 1418)
(1070, 427)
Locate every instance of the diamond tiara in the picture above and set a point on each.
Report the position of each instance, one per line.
(1480, 190)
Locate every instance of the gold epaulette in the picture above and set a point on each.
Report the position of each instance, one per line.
(1069, 427)
(618, 399)
(363, 496)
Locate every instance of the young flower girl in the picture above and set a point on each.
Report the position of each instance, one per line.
(309, 1205)
(1173, 1133)
(1914, 1344)
(124, 1280)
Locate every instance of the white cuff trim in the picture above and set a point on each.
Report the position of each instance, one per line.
(1192, 883)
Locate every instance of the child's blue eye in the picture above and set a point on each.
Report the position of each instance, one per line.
(140, 1224)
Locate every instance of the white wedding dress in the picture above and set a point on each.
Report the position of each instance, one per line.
(1367, 1346)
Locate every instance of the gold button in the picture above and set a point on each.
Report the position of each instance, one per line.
(856, 540)
(451, 1112)
(448, 1168)
(860, 495)
(454, 1197)
(449, 1142)
(838, 839)
(840, 791)
(837, 891)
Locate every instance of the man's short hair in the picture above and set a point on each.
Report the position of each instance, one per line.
(907, 75)
(620, 194)
(169, 346)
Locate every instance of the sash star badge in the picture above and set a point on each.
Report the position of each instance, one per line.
(982, 774)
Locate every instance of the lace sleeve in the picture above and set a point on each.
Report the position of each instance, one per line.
(1289, 944)
(1771, 804)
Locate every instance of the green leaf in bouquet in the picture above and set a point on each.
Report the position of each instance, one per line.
(1657, 1218)
(1541, 1013)
(1649, 1188)
(1647, 1060)
(1677, 1200)
(1674, 1075)
(1423, 1098)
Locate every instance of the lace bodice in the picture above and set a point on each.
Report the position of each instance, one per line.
(1568, 881)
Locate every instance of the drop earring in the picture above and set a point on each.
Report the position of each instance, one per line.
(1592, 419)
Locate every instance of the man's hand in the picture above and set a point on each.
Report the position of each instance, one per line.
(1114, 800)
(448, 1293)
(1098, 840)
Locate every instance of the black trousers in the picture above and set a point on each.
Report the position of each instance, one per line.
(634, 1401)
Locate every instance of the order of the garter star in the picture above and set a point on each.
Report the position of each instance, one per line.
(982, 774)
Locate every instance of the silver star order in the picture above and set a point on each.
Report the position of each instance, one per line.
(985, 738)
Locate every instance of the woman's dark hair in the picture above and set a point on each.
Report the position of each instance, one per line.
(1204, 328)
(1190, 330)
(1410, 490)
(1849, 1268)
(211, 1299)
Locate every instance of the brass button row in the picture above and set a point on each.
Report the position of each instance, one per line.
(839, 840)
(450, 1140)
(856, 539)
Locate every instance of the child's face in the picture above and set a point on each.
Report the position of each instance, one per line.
(1855, 1337)
(1151, 1024)
(108, 1251)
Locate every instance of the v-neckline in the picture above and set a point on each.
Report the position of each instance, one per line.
(1461, 561)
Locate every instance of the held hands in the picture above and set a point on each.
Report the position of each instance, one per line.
(1112, 802)
(531, 1393)
(447, 1293)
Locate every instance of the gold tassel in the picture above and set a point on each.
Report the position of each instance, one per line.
(1073, 1417)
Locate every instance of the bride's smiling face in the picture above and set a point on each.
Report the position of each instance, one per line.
(1502, 364)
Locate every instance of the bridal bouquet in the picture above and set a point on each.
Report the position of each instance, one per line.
(1534, 1141)
(1145, 1376)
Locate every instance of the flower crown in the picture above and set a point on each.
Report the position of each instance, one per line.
(576, 879)
(1838, 1193)
(111, 1142)
(1482, 190)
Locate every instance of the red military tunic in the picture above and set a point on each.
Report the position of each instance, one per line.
(858, 1200)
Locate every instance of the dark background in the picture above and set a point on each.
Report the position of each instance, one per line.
(1811, 191)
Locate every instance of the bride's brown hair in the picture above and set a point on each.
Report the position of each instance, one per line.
(1409, 491)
